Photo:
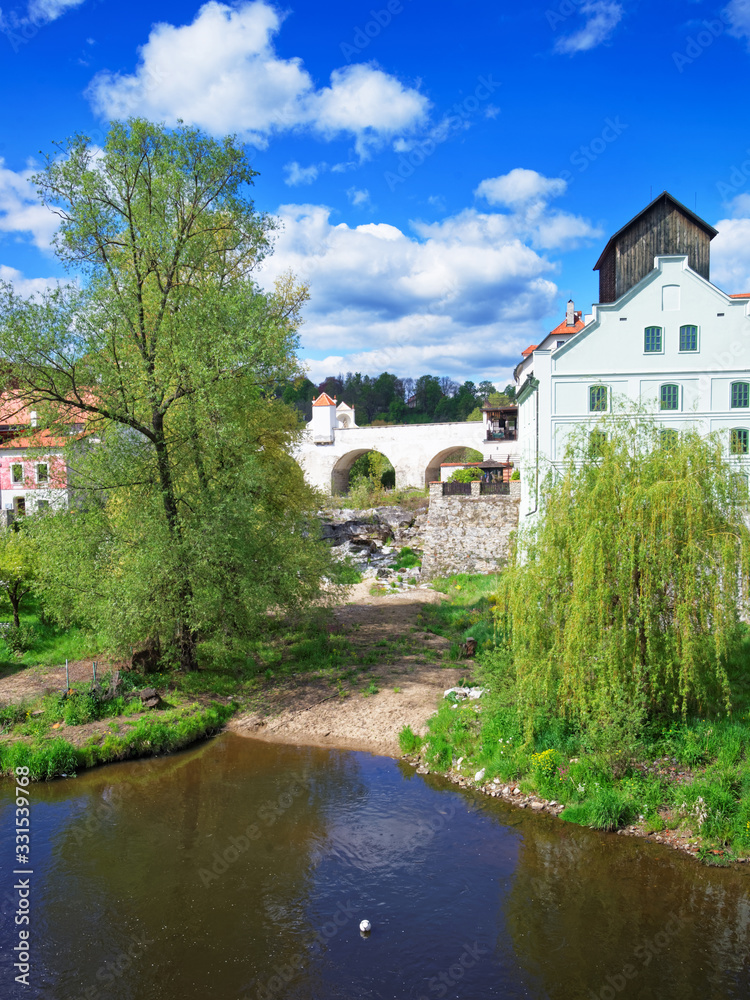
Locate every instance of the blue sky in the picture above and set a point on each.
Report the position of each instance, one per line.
(446, 173)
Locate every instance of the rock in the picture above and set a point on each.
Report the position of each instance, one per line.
(537, 806)
(150, 698)
(479, 775)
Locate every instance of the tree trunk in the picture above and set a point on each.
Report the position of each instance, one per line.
(185, 637)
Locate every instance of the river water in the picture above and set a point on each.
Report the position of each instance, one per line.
(241, 869)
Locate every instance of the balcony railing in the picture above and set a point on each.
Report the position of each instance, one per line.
(501, 436)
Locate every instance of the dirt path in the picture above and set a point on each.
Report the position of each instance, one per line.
(389, 649)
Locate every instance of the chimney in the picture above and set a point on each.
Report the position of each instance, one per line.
(570, 319)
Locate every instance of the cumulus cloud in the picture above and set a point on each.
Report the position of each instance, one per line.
(463, 296)
(295, 174)
(602, 17)
(730, 255)
(20, 211)
(26, 286)
(358, 197)
(737, 14)
(520, 186)
(42, 11)
(221, 72)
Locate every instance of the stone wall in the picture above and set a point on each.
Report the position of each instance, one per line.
(468, 534)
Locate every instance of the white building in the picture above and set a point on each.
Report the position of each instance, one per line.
(661, 335)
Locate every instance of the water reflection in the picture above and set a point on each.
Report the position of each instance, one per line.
(241, 869)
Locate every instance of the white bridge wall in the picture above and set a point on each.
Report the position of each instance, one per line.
(414, 450)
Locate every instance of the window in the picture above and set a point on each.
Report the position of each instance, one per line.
(668, 438)
(652, 340)
(596, 443)
(738, 441)
(42, 472)
(598, 399)
(670, 397)
(688, 338)
(740, 395)
(16, 473)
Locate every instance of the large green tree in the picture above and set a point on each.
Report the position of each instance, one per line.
(165, 350)
(627, 594)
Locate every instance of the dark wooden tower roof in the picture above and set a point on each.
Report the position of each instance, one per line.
(665, 226)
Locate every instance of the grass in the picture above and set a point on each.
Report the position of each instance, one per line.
(688, 776)
(51, 644)
(162, 733)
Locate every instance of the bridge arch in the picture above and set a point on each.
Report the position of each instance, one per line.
(432, 471)
(343, 466)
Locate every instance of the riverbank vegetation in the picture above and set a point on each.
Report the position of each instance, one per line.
(614, 648)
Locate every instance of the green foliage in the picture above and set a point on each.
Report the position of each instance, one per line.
(515, 475)
(19, 638)
(18, 569)
(409, 741)
(189, 519)
(476, 414)
(465, 475)
(628, 589)
(407, 558)
(607, 809)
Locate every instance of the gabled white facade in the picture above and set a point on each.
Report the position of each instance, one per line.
(611, 352)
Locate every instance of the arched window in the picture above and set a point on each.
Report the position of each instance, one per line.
(670, 397)
(738, 440)
(598, 399)
(668, 438)
(740, 395)
(688, 338)
(652, 340)
(596, 443)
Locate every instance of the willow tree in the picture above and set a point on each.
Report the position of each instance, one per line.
(629, 590)
(160, 349)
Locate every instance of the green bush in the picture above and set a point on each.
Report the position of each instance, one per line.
(409, 741)
(19, 638)
(465, 475)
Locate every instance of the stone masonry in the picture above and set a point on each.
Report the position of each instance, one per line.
(469, 534)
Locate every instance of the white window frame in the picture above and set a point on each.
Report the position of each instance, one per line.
(36, 472)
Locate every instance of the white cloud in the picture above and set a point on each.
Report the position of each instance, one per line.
(461, 297)
(26, 286)
(737, 14)
(42, 11)
(603, 16)
(295, 174)
(520, 186)
(20, 210)
(730, 255)
(221, 72)
(357, 197)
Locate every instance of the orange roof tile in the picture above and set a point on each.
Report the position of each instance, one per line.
(740, 295)
(529, 350)
(324, 400)
(564, 328)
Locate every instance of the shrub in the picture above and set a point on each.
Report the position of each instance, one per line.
(19, 638)
(409, 741)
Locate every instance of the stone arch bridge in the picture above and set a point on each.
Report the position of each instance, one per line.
(414, 450)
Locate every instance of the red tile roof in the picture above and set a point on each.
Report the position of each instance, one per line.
(740, 295)
(564, 328)
(324, 400)
(529, 350)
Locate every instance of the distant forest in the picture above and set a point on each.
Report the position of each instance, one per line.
(388, 399)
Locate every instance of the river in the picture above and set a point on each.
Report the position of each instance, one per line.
(240, 869)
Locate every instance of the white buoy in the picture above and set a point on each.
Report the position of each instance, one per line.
(365, 926)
